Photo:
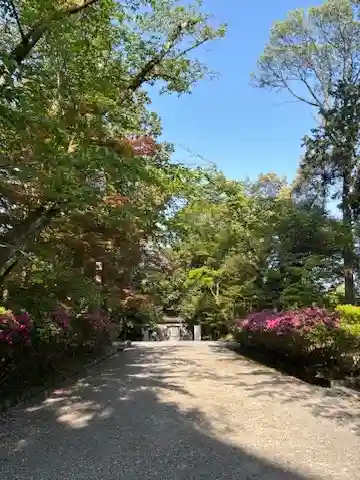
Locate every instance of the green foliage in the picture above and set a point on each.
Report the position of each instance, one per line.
(335, 297)
(314, 56)
(308, 52)
(350, 314)
(239, 247)
(95, 214)
(348, 337)
(84, 180)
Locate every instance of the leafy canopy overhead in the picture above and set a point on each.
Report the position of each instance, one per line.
(85, 180)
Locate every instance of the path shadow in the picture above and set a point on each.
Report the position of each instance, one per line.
(260, 381)
(112, 425)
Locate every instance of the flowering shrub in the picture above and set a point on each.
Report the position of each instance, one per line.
(303, 320)
(90, 328)
(15, 329)
(31, 350)
(98, 320)
(295, 332)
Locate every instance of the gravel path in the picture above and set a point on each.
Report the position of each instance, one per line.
(184, 411)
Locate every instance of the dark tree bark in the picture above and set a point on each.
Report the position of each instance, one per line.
(348, 250)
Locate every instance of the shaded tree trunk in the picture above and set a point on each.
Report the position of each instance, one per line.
(348, 249)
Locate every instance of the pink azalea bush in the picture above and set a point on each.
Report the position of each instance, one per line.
(89, 329)
(99, 324)
(18, 329)
(15, 329)
(303, 320)
(293, 332)
(98, 320)
(31, 348)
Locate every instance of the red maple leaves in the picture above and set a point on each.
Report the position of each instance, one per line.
(143, 145)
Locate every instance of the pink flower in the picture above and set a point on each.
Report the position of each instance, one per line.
(271, 324)
(15, 329)
(302, 320)
(7, 337)
(24, 318)
(98, 320)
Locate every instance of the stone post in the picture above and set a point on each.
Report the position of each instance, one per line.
(197, 333)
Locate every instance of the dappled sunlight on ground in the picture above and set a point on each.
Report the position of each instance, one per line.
(79, 415)
(180, 412)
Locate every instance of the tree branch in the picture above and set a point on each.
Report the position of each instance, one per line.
(311, 91)
(32, 37)
(141, 76)
(196, 45)
(157, 73)
(30, 227)
(11, 265)
(310, 41)
(298, 97)
(12, 4)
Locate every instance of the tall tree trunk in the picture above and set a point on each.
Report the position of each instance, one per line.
(348, 249)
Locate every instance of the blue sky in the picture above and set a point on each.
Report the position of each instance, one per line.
(244, 130)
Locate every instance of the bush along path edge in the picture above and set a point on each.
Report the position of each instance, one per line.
(343, 387)
(53, 382)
